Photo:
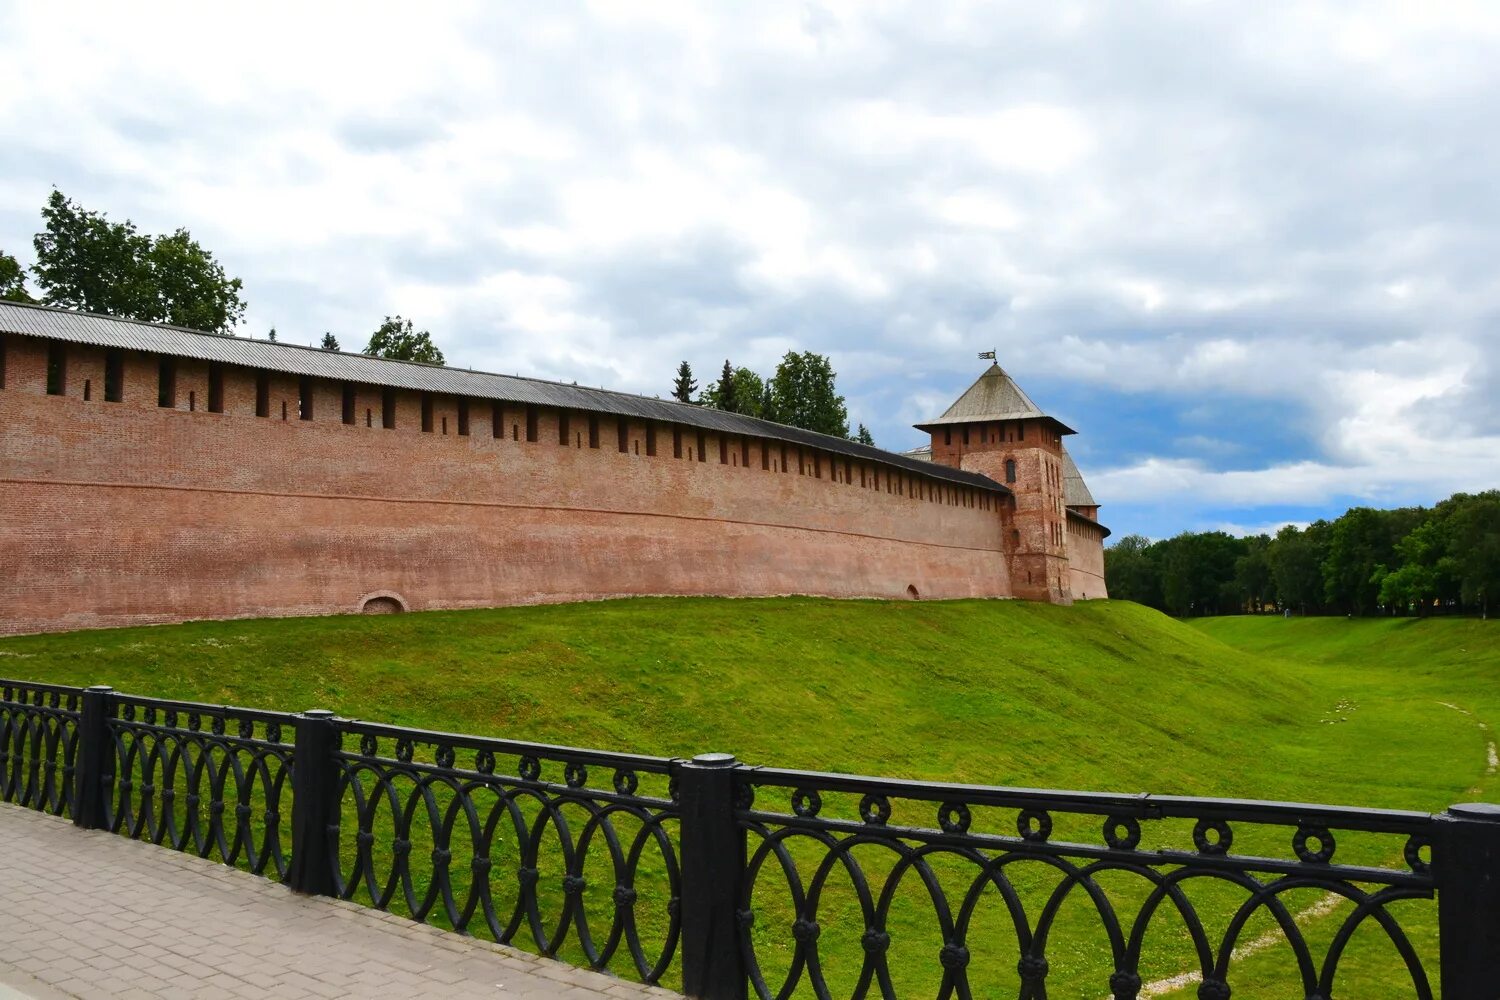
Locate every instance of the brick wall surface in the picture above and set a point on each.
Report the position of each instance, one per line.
(117, 513)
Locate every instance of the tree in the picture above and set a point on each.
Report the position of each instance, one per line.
(1253, 581)
(685, 385)
(190, 286)
(1198, 572)
(728, 399)
(85, 261)
(398, 340)
(272, 335)
(330, 342)
(1131, 571)
(863, 436)
(746, 393)
(1476, 549)
(1296, 560)
(802, 394)
(13, 280)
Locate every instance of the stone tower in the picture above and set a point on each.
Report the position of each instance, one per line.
(995, 429)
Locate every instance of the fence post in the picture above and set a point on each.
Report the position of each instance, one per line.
(93, 759)
(1466, 861)
(315, 808)
(713, 863)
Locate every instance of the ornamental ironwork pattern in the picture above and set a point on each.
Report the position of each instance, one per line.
(207, 780)
(38, 744)
(569, 852)
(944, 850)
(730, 879)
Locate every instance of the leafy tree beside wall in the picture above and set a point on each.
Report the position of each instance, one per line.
(738, 390)
(802, 394)
(685, 385)
(13, 280)
(1409, 560)
(399, 340)
(85, 261)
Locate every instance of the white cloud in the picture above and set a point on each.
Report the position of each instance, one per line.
(1288, 206)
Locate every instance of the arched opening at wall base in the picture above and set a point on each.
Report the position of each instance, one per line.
(383, 602)
(911, 591)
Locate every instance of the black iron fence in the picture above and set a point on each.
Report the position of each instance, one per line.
(725, 880)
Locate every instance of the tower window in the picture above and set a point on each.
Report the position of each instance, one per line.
(593, 430)
(88, 389)
(723, 449)
(676, 441)
(463, 418)
(388, 409)
(1010, 470)
(427, 412)
(348, 408)
(497, 421)
(966, 433)
(562, 427)
(650, 439)
(304, 398)
(765, 456)
(1020, 430)
(114, 376)
(947, 435)
(745, 452)
(262, 394)
(215, 388)
(532, 432)
(701, 447)
(166, 382)
(622, 435)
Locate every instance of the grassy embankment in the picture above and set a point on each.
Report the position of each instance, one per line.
(1106, 696)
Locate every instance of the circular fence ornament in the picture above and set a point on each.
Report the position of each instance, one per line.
(875, 809)
(1415, 845)
(1323, 854)
(575, 774)
(626, 781)
(1034, 825)
(484, 761)
(404, 750)
(1123, 833)
(444, 756)
(806, 802)
(1223, 836)
(368, 745)
(953, 817)
(530, 769)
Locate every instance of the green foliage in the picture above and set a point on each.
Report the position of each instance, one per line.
(271, 336)
(802, 394)
(330, 342)
(1404, 561)
(398, 340)
(685, 385)
(738, 390)
(863, 436)
(13, 280)
(85, 261)
(1132, 570)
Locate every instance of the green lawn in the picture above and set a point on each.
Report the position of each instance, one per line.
(1101, 696)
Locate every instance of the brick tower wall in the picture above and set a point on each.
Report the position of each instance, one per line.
(1086, 558)
(115, 513)
(1038, 542)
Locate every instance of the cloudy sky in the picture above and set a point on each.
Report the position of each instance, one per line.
(1249, 251)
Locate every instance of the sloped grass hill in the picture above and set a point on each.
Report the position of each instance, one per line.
(1100, 696)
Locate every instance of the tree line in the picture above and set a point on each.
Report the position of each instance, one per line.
(86, 261)
(1407, 561)
(801, 393)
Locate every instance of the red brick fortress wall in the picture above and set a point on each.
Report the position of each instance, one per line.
(126, 512)
(1086, 559)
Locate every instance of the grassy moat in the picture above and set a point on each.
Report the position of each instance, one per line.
(1101, 696)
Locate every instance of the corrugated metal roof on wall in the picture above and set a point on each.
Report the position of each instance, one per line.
(106, 331)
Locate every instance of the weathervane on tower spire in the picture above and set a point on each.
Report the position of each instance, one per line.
(986, 355)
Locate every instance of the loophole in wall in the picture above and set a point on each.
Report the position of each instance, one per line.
(911, 591)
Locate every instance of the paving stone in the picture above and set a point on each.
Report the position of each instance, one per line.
(111, 918)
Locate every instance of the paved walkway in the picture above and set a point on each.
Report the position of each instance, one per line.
(85, 913)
